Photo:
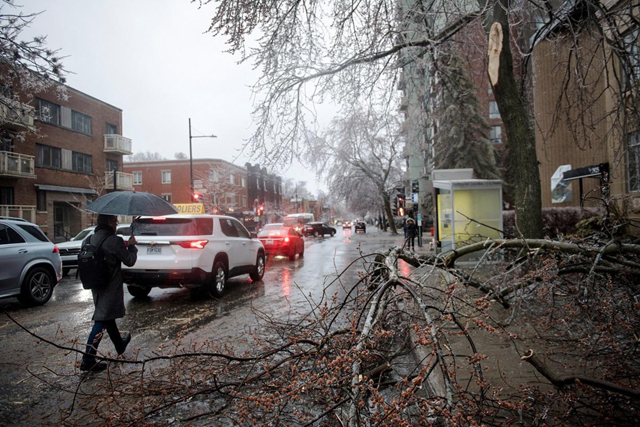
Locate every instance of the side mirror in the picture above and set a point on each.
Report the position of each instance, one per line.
(254, 235)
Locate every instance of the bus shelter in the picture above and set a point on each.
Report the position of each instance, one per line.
(467, 211)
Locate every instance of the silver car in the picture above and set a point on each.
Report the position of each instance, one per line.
(31, 264)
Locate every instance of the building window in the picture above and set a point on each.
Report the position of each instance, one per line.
(47, 112)
(244, 201)
(112, 165)
(213, 175)
(494, 113)
(244, 182)
(631, 60)
(167, 197)
(48, 157)
(110, 129)
(633, 162)
(232, 179)
(80, 122)
(231, 199)
(41, 201)
(6, 196)
(166, 177)
(137, 178)
(81, 163)
(258, 183)
(496, 134)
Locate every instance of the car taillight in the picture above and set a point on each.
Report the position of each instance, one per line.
(286, 240)
(55, 249)
(194, 244)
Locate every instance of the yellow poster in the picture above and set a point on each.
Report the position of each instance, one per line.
(190, 208)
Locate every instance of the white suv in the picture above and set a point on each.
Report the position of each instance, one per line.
(180, 250)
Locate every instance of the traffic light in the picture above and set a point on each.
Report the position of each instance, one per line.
(415, 187)
(196, 197)
(394, 206)
(400, 202)
(400, 211)
(260, 210)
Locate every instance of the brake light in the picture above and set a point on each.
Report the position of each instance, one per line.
(158, 218)
(286, 240)
(55, 250)
(194, 244)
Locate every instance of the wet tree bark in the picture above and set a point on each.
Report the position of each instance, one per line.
(387, 211)
(518, 123)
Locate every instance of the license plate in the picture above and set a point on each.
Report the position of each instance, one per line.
(152, 250)
(269, 242)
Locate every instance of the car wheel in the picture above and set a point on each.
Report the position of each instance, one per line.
(216, 287)
(257, 274)
(302, 251)
(315, 234)
(292, 255)
(65, 271)
(138, 291)
(333, 233)
(37, 287)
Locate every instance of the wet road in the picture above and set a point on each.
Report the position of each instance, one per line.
(285, 291)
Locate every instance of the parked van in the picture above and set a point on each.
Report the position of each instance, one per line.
(298, 220)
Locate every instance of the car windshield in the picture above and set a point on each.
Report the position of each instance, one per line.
(82, 235)
(273, 231)
(173, 226)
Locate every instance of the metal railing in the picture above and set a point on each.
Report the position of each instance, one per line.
(124, 181)
(19, 165)
(59, 231)
(19, 211)
(117, 144)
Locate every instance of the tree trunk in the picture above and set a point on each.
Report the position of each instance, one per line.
(517, 120)
(387, 210)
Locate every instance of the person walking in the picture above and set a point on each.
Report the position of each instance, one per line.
(109, 300)
(411, 233)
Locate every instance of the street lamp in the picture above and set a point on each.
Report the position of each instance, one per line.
(191, 152)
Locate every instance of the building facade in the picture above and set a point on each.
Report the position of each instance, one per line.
(223, 185)
(71, 152)
(265, 189)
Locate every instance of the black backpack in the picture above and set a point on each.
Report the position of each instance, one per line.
(92, 265)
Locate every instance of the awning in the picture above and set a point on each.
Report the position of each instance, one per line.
(65, 189)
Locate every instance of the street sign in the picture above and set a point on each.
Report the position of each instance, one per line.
(189, 208)
(414, 197)
(419, 219)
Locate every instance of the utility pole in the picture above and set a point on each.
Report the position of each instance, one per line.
(191, 152)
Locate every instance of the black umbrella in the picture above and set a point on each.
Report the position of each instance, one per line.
(131, 203)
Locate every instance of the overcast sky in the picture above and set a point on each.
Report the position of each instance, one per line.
(152, 59)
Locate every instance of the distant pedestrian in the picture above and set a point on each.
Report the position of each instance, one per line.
(411, 233)
(109, 300)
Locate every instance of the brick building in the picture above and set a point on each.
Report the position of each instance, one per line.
(265, 189)
(50, 176)
(223, 185)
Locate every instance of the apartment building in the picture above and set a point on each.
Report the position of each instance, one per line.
(223, 185)
(71, 152)
(591, 121)
(264, 188)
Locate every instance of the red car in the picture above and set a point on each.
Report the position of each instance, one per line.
(279, 239)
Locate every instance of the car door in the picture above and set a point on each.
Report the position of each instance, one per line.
(14, 255)
(232, 243)
(248, 248)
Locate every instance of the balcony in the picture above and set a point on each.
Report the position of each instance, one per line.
(19, 211)
(124, 181)
(17, 165)
(16, 115)
(117, 144)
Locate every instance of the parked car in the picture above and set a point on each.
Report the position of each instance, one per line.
(69, 250)
(318, 229)
(279, 239)
(192, 250)
(31, 264)
(360, 226)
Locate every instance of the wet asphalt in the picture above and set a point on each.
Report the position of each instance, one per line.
(288, 290)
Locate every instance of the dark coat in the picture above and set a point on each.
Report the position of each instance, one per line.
(109, 301)
(412, 229)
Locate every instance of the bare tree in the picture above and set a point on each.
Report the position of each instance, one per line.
(142, 156)
(27, 66)
(180, 156)
(360, 146)
(222, 193)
